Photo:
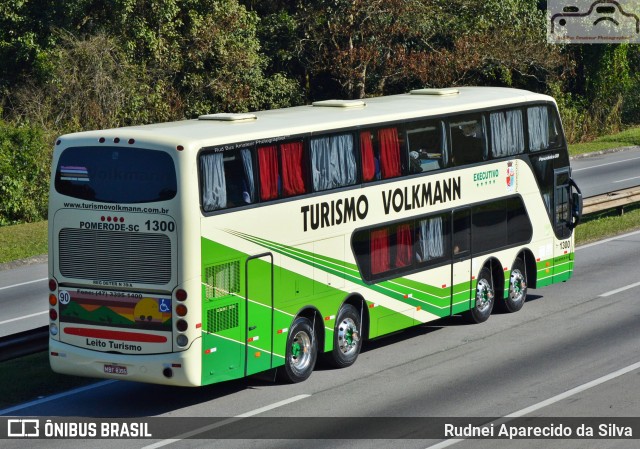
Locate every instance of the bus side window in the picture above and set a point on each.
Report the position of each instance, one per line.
(431, 238)
(333, 162)
(507, 133)
(544, 128)
(461, 246)
(227, 179)
(425, 147)
(468, 140)
(282, 170)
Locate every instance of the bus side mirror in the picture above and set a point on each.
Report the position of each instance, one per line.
(576, 209)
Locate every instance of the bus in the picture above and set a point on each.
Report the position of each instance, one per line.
(205, 250)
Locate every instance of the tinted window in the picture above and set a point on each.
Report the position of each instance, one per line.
(468, 144)
(425, 145)
(116, 175)
(489, 226)
(519, 228)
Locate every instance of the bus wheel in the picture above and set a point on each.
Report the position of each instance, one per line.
(301, 353)
(484, 298)
(346, 338)
(517, 288)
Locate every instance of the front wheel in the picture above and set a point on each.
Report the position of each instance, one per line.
(346, 338)
(301, 353)
(484, 298)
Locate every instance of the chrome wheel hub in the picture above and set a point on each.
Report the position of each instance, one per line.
(348, 336)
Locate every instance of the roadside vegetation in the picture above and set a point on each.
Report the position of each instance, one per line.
(87, 64)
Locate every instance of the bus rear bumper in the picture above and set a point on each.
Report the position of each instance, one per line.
(174, 368)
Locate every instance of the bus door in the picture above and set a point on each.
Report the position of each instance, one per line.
(567, 209)
(258, 313)
(462, 289)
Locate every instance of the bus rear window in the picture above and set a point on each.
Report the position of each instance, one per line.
(116, 175)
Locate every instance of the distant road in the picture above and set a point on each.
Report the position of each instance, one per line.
(23, 291)
(608, 172)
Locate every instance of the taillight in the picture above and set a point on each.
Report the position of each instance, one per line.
(182, 325)
(181, 295)
(52, 285)
(53, 314)
(181, 310)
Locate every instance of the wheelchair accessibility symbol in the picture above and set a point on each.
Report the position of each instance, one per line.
(593, 22)
(164, 305)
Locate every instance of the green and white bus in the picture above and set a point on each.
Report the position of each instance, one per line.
(205, 250)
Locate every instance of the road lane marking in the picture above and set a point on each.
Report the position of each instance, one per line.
(22, 317)
(628, 179)
(602, 165)
(610, 239)
(547, 402)
(226, 421)
(618, 290)
(23, 283)
(10, 410)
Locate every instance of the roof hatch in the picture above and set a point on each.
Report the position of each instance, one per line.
(340, 103)
(228, 117)
(436, 92)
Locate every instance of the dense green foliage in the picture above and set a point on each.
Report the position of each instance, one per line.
(87, 64)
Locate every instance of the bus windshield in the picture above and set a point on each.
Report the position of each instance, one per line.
(116, 175)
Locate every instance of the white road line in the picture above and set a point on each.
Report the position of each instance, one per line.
(23, 317)
(602, 165)
(23, 283)
(16, 408)
(628, 179)
(618, 290)
(225, 422)
(610, 239)
(547, 402)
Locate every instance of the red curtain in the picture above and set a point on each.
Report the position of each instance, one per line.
(368, 163)
(292, 168)
(404, 246)
(379, 251)
(268, 163)
(389, 153)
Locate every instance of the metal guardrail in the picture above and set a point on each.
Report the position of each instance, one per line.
(24, 343)
(612, 200)
(36, 340)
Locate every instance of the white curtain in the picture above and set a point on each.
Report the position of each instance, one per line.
(214, 191)
(247, 164)
(333, 162)
(538, 118)
(507, 133)
(431, 239)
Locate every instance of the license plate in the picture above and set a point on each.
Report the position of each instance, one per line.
(115, 369)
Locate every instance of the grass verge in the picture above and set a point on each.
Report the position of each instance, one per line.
(625, 138)
(22, 241)
(604, 226)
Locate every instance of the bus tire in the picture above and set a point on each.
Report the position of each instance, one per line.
(301, 352)
(517, 288)
(485, 295)
(346, 338)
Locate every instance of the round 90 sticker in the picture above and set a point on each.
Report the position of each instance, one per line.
(64, 297)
